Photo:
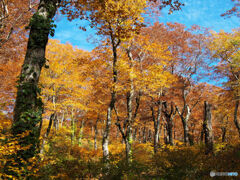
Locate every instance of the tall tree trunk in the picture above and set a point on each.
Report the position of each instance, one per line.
(105, 140)
(28, 106)
(126, 130)
(185, 119)
(207, 128)
(235, 116)
(130, 119)
(156, 122)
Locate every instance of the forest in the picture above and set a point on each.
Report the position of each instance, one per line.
(152, 100)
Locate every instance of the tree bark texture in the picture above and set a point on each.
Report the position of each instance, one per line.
(207, 128)
(105, 140)
(169, 115)
(28, 106)
(156, 121)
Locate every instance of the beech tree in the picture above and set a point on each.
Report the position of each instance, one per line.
(28, 107)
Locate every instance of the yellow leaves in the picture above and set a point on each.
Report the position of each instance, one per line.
(66, 80)
(219, 147)
(226, 47)
(119, 19)
(116, 148)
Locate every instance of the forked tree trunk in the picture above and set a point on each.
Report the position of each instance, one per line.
(207, 128)
(169, 115)
(185, 118)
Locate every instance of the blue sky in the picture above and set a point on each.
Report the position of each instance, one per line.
(204, 13)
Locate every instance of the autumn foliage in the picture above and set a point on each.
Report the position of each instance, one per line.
(158, 101)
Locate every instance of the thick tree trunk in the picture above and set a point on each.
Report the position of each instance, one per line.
(207, 128)
(185, 119)
(170, 131)
(128, 148)
(169, 115)
(235, 116)
(28, 106)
